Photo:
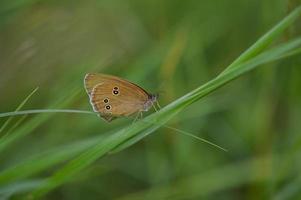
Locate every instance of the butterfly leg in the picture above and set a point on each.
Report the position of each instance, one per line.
(154, 106)
(107, 117)
(158, 105)
(139, 115)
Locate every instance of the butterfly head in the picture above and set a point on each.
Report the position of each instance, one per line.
(152, 98)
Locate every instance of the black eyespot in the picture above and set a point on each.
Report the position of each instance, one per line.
(116, 88)
(115, 92)
(106, 100)
(108, 107)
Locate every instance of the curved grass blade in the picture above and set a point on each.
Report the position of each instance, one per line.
(289, 191)
(135, 139)
(15, 125)
(39, 111)
(262, 43)
(159, 118)
(233, 175)
(6, 123)
(46, 160)
(18, 187)
(196, 137)
(33, 123)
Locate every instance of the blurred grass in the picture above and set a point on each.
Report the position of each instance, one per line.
(169, 46)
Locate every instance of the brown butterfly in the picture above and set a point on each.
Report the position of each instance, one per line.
(114, 97)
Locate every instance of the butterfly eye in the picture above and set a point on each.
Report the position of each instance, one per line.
(108, 107)
(115, 92)
(106, 100)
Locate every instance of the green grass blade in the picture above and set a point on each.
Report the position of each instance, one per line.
(289, 191)
(35, 121)
(135, 139)
(15, 125)
(165, 114)
(45, 160)
(6, 123)
(196, 137)
(263, 42)
(233, 175)
(19, 187)
(281, 52)
(39, 111)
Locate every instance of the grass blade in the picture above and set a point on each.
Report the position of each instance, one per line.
(34, 122)
(263, 42)
(165, 114)
(46, 160)
(6, 123)
(233, 175)
(18, 187)
(39, 111)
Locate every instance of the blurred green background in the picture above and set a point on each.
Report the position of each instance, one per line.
(170, 47)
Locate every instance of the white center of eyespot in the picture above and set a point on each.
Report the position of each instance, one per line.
(115, 90)
(108, 107)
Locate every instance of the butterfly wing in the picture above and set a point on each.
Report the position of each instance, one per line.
(113, 97)
(92, 79)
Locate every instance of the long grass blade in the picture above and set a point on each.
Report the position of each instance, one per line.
(39, 111)
(6, 123)
(159, 118)
(35, 122)
(195, 137)
(19, 187)
(262, 43)
(45, 160)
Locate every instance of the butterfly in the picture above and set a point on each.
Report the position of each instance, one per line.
(113, 97)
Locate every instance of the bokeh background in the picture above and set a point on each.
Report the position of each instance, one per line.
(169, 47)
